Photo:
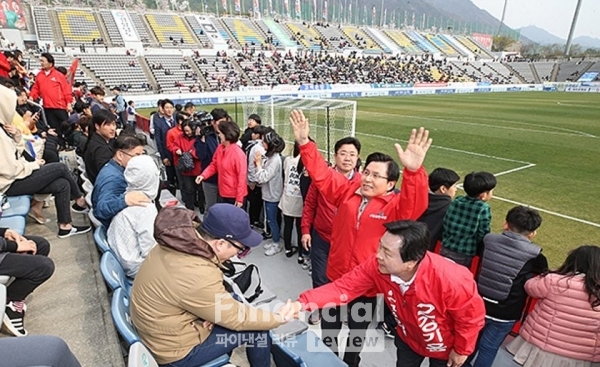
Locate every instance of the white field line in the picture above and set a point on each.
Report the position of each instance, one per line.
(514, 170)
(563, 132)
(580, 134)
(526, 166)
(449, 149)
(549, 212)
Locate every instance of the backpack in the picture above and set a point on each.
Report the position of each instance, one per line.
(246, 277)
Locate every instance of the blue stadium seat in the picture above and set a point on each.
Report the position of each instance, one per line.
(101, 240)
(17, 224)
(113, 272)
(2, 300)
(304, 350)
(119, 310)
(19, 206)
(95, 222)
(140, 356)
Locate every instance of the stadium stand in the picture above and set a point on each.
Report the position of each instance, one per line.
(501, 72)
(138, 23)
(259, 70)
(115, 70)
(377, 40)
(361, 39)
(336, 39)
(403, 41)
(544, 70)
(245, 32)
(221, 29)
(262, 25)
(170, 30)
(475, 49)
(111, 27)
(421, 41)
(507, 71)
(442, 45)
(524, 70)
(78, 27)
(43, 26)
(307, 36)
(572, 70)
(219, 72)
(198, 31)
(175, 74)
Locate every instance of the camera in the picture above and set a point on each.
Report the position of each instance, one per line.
(202, 120)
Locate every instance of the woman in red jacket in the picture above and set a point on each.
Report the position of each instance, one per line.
(564, 327)
(230, 162)
(183, 149)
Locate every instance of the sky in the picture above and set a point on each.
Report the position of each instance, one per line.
(555, 16)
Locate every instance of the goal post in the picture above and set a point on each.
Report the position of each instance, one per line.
(329, 119)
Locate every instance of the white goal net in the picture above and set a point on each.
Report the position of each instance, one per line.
(330, 119)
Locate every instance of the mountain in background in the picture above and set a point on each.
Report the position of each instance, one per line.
(587, 42)
(543, 37)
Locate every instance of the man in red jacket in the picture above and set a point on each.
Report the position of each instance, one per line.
(52, 87)
(362, 209)
(318, 213)
(434, 301)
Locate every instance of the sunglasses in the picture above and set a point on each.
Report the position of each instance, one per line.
(242, 251)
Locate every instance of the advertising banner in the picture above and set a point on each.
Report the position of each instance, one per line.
(12, 15)
(125, 25)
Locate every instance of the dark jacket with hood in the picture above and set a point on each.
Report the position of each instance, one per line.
(434, 217)
(177, 288)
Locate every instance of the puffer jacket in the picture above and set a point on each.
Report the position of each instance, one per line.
(563, 321)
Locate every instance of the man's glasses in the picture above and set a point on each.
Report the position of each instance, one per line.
(130, 155)
(242, 251)
(374, 175)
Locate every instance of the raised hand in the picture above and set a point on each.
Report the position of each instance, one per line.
(300, 125)
(413, 156)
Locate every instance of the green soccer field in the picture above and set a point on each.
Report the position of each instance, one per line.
(544, 148)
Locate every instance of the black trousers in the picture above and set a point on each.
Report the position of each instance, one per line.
(55, 116)
(30, 271)
(406, 357)
(288, 224)
(358, 322)
(52, 178)
(255, 202)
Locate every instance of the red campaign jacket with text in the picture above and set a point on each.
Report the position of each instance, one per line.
(440, 311)
(354, 238)
(53, 88)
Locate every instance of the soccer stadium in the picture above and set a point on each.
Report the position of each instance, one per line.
(235, 183)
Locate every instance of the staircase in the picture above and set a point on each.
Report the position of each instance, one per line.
(240, 71)
(103, 31)
(555, 72)
(90, 73)
(201, 78)
(223, 30)
(149, 76)
(517, 74)
(56, 32)
(536, 76)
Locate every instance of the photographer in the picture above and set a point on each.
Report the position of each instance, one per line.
(206, 145)
(229, 161)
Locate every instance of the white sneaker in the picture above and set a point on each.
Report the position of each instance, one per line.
(275, 249)
(268, 244)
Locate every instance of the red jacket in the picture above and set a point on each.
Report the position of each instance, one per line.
(53, 88)
(231, 164)
(354, 238)
(318, 212)
(5, 66)
(440, 311)
(176, 140)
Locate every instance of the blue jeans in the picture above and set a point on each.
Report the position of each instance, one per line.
(223, 341)
(319, 253)
(271, 212)
(490, 340)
